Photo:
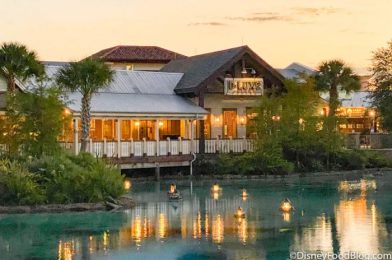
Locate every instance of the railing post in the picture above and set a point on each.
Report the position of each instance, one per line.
(244, 148)
(132, 148)
(168, 146)
(157, 136)
(231, 144)
(118, 138)
(179, 145)
(144, 147)
(217, 144)
(105, 148)
(91, 146)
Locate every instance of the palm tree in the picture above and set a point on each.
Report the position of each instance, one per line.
(16, 61)
(86, 76)
(335, 76)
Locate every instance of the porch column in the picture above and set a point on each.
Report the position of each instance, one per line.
(76, 136)
(118, 122)
(157, 136)
(191, 136)
(201, 124)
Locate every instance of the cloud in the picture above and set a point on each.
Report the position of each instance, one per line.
(261, 17)
(312, 11)
(294, 15)
(207, 24)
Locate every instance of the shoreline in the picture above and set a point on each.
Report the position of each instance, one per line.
(125, 202)
(345, 174)
(110, 205)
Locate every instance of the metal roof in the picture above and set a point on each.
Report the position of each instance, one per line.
(133, 92)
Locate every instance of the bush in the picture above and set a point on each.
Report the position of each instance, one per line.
(18, 186)
(375, 159)
(349, 160)
(73, 179)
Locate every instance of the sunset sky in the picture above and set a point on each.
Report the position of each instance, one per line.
(280, 31)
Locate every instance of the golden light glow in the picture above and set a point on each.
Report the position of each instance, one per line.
(239, 213)
(127, 184)
(67, 112)
(217, 119)
(244, 195)
(160, 124)
(286, 205)
(137, 123)
(301, 121)
(215, 195)
(286, 216)
(66, 250)
(216, 188)
(276, 118)
(172, 188)
(163, 225)
(242, 230)
(197, 226)
(372, 113)
(217, 229)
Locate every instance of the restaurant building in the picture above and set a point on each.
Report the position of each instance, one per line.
(198, 104)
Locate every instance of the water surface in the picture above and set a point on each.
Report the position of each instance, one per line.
(356, 217)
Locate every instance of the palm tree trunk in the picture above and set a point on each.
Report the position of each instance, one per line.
(86, 103)
(333, 100)
(11, 84)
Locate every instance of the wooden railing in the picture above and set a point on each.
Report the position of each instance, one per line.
(163, 147)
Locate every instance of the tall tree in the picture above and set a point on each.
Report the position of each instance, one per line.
(382, 77)
(335, 76)
(87, 77)
(17, 62)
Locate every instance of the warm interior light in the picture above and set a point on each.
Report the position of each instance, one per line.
(217, 119)
(137, 123)
(372, 113)
(160, 124)
(67, 111)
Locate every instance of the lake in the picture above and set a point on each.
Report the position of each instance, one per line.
(331, 215)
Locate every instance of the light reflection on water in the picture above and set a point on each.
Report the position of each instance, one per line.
(325, 220)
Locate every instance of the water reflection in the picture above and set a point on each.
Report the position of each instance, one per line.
(324, 220)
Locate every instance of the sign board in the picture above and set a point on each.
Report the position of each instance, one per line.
(244, 86)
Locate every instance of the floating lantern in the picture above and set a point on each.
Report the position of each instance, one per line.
(173, 194)
(216, 188)
(240, 213)
(286, 205)
(244, 194)
(127, 184)
(172, 188)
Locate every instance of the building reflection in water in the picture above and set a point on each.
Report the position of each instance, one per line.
(66, 250)
(354, 225)
(358, 226)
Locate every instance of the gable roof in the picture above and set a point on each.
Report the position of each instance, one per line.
(128, 53)
(201, 69)
(132, 93)
(294, 70)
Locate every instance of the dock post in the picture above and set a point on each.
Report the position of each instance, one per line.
(157, 171)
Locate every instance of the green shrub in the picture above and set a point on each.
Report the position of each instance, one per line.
(18, 186)
(375, 159)
(72, 179)
(349, 160)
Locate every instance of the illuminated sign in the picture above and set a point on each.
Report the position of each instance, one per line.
(244, 86)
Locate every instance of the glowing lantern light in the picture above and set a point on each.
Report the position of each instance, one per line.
(240, 213)
(216, 188)
(286, 205)
(244, 194)
(172, 188)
